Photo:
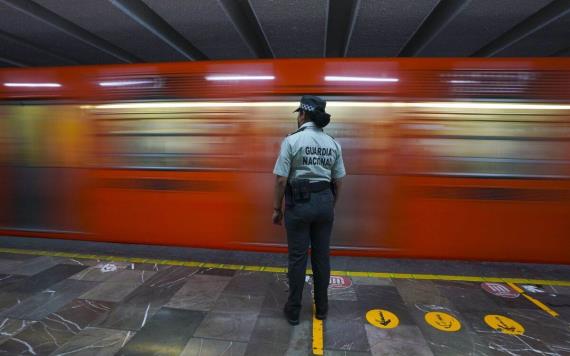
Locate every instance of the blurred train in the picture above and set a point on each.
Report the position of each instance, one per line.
(446, 158)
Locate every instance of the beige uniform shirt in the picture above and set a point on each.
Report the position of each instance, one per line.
(310, 154)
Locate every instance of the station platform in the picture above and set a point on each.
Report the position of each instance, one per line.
(61, 297)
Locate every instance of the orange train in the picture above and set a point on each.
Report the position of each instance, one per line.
(447, 158)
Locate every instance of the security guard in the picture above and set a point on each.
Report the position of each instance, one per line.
(309, 173)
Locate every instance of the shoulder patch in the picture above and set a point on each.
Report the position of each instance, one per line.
(299, 130)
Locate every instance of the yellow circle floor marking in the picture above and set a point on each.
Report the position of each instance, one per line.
(443, 321)
(382, 318)
(503, 324)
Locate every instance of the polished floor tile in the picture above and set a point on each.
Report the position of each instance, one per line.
(207, 347)
(200, 292)
(166, 333)
(110, 291)
(95, 342)
(227, 326)
(48, 301)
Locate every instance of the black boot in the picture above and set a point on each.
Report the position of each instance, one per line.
(321, 312)
(291, 316)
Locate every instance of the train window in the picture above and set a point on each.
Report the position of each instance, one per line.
(470, 146)
(163, 142)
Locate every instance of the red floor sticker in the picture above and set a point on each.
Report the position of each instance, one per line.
(340, 282)
(500, 290)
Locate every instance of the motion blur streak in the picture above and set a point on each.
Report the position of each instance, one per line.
(468, 174)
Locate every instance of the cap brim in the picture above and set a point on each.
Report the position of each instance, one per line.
(298, 109)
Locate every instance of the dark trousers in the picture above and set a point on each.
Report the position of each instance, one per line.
(309, 223)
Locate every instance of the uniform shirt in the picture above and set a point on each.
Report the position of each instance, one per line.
(310, 154)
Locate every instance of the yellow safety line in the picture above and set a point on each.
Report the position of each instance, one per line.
(318, 345)
(435, 277)
(537, 302)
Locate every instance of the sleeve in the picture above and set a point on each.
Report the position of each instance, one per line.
(283, 163)
(338, 166)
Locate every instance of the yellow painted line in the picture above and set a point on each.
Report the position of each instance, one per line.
(537, 302)
(435, 277)
(318, 339)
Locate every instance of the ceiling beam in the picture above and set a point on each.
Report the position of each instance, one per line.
(25, 43)
(12, 62)
(50, 18)
(528, 26)
(146, 17)
(444, 12)
(245, 21)
(341, 18)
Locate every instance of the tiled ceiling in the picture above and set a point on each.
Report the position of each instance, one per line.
(73, 32)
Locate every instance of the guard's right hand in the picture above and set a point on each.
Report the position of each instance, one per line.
(277, 217)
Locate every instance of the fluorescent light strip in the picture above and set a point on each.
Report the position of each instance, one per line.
(33, 85)
(120, 83)
(334, 78)
(335, 104)
(239, 77)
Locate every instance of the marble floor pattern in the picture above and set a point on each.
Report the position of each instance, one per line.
(61, 306)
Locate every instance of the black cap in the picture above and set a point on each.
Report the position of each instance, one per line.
(311, 103)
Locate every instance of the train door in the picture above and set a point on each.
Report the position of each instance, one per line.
(166, 176)
(44, 180)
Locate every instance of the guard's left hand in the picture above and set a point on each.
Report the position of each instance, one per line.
(277, 217)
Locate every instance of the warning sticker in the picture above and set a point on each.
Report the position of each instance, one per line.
(503, 324)
(383, 319)
(500, 290)
(339, 282)
(443, 321)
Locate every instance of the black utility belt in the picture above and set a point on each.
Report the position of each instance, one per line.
(301, 189)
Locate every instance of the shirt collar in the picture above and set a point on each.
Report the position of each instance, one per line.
(308, 124)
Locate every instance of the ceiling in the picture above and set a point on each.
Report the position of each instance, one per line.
(76, 32)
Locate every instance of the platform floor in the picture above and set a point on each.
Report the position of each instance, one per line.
(64, 298)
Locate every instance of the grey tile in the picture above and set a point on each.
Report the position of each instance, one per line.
(271, 330)
(206, 347)
(346, 353)
(466, 296)
(265, 348)
(400, 348)
(301, 341)
(402, 340)
(236, 303)
(372, 281)
(420, 292)
(217, 272)
(95, 342)
(101, 272)
(49, 334)
(348, 294)
(8, 266)
(345, 310)
(15, 256)
(345, 335)
(45, 279)
(131, 276)
(35, 265)
(11, 327)
(227, 326)
(110, 291)
(48, 301)
(172, 277)
(143, 302)
(199, 293)
(249, 283)
(166, 333)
